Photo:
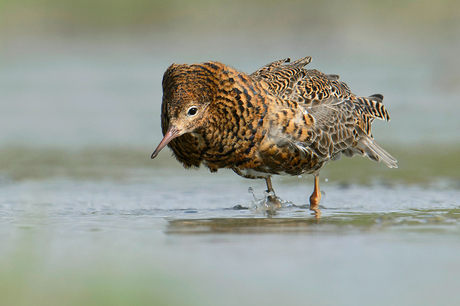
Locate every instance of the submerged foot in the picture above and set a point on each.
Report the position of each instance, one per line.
(314, 206)
(274, 201)
(269, 203)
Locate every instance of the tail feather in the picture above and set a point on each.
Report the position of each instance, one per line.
(373, 107)
(374, 151)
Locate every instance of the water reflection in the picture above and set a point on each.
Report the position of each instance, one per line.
(240, 225)
(436, 221)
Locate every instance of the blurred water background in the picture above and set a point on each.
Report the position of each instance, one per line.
(87, 218)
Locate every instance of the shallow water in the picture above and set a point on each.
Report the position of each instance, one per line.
(169, 236)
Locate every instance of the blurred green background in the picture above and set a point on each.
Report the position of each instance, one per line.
(65, 17)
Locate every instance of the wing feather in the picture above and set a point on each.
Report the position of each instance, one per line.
(341, 121)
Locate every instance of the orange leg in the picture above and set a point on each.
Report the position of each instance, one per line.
(315, 197)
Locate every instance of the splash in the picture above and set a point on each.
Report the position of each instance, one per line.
(269, 203)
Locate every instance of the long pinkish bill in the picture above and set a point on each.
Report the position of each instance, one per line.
(172, 133)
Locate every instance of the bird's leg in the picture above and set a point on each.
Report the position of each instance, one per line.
(268, 180)
(272, 198)
(315, 197)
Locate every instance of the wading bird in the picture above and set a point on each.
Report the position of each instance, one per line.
(282, 119)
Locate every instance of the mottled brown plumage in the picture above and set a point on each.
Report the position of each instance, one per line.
(281, 119)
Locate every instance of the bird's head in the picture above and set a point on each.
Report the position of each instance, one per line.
(188, 91)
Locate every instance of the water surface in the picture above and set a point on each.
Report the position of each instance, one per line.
(119, 233)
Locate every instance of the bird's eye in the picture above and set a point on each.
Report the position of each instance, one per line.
(192, 111)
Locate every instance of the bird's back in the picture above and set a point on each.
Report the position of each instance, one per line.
(336, 120)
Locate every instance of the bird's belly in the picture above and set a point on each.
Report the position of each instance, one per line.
(280, 161)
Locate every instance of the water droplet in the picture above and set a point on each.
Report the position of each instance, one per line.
(251, 191)
(326, 180)
(300, 176)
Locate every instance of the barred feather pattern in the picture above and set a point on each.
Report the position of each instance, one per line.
(281, 119)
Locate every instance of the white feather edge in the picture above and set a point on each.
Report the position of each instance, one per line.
(384, 156)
